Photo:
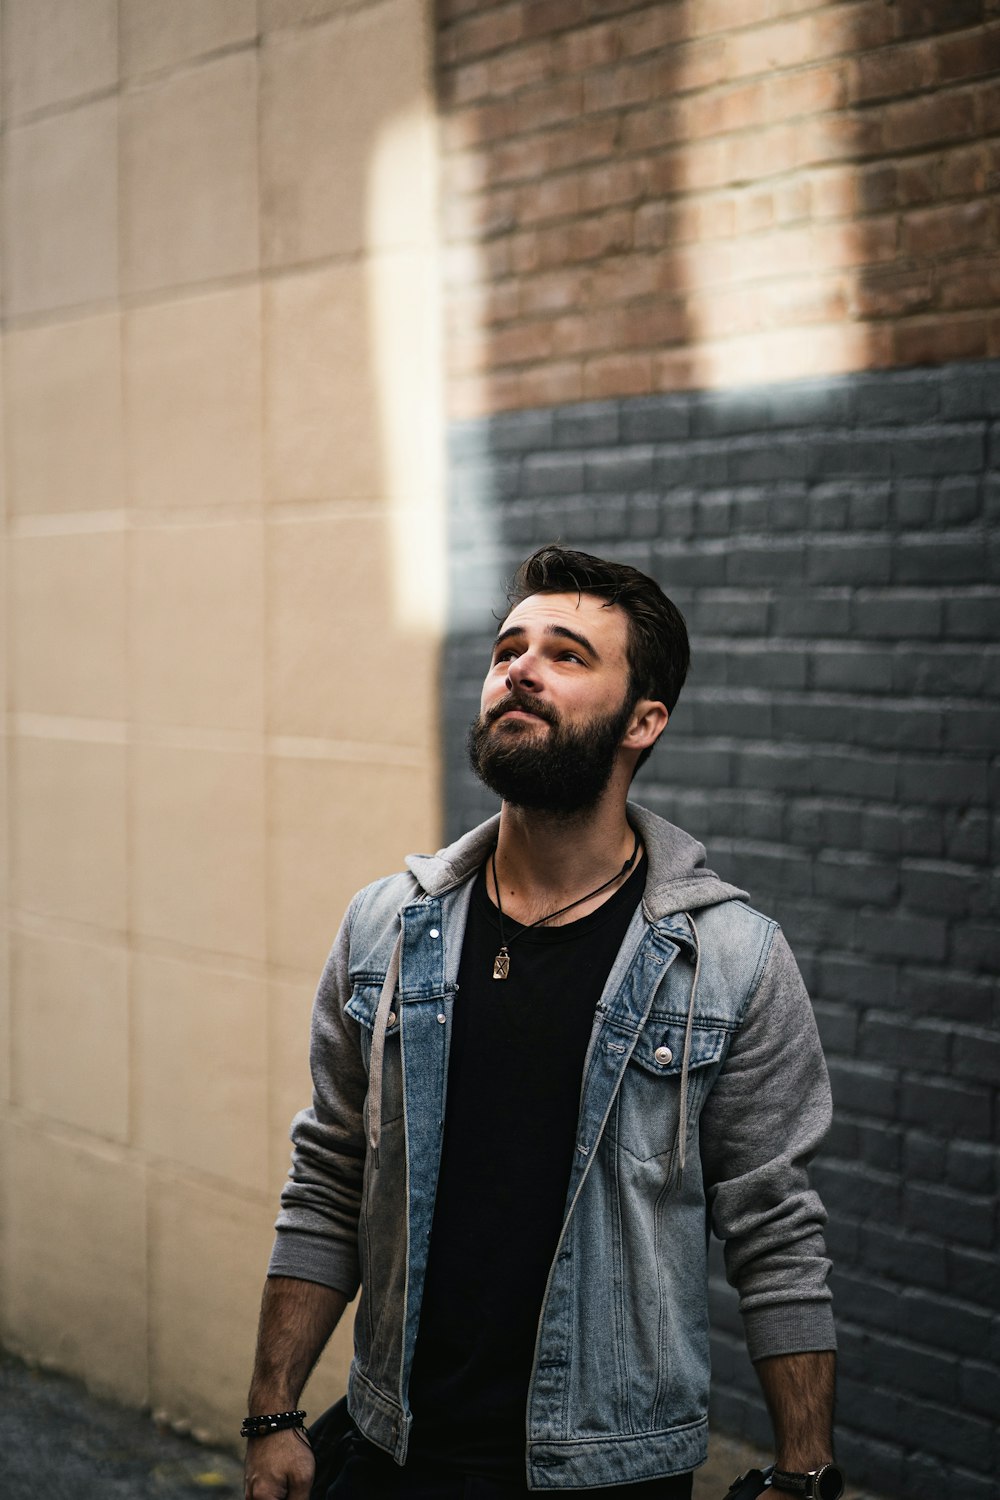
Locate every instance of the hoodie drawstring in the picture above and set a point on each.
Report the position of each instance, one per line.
(686, 1061)
(379, 1029)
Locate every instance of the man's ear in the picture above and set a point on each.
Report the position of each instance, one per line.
(646, 723)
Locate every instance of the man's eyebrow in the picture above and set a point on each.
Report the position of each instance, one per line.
(558, 630)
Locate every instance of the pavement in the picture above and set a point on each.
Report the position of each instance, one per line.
(60, 1442)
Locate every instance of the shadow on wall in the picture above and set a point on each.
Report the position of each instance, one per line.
(829, 544)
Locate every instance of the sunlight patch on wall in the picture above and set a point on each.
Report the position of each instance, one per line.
(767, 261)
(404, 304)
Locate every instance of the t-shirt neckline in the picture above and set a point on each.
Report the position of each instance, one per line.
(629, 893)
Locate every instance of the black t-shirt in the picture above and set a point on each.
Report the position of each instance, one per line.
(515, 1070)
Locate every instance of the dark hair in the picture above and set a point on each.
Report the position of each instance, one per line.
(657, 647)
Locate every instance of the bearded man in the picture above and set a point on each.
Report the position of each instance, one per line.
(545, 1061)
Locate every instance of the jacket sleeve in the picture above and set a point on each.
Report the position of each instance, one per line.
(763, 1120)
(317, 1229)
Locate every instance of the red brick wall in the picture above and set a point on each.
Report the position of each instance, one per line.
(644, 197)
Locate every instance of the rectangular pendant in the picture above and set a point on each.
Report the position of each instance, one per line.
(501, 964)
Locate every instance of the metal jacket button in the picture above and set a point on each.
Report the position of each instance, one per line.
(663, 1055)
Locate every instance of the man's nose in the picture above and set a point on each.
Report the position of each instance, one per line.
(522, 672)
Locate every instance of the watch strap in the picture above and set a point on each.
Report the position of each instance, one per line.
(811, 1485)
(790, 1483)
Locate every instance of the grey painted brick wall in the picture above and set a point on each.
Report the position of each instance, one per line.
(833, 548)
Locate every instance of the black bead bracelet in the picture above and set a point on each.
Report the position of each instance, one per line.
(278, 1421)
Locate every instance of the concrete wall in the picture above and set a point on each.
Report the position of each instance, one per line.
(723, 301)
(221, 526)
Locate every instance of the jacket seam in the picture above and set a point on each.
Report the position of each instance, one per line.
(763, 956)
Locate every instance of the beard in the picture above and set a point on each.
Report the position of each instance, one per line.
(562, 771)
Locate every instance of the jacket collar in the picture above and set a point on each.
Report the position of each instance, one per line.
(678, 882)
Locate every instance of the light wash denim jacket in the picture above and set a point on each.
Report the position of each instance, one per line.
(704, 1094)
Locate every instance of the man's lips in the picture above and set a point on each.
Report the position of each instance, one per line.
(506, 709)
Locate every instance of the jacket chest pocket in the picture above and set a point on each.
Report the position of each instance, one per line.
(362, 1007)
(649, 1098)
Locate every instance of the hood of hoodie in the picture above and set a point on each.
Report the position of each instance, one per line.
(678, 880)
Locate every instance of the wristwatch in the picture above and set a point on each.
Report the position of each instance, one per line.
(824, 1483)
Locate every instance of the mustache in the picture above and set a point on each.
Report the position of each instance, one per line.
(524, 701)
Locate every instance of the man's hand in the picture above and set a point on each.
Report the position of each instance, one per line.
(279, 1466)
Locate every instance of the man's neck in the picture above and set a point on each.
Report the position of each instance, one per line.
(543, 862)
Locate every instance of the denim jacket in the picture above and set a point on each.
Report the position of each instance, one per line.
(704, 1094)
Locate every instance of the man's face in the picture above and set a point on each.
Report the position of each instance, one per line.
(555, 703)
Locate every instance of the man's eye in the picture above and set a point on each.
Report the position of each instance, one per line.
(507, 654)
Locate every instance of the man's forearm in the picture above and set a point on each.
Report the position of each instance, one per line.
(296, 1319)
(799, 1390)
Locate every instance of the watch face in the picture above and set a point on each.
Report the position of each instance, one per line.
(831, 1483)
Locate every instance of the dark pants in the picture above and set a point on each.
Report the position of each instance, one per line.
(374, 1477)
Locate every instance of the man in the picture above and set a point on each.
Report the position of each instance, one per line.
(543, 1060)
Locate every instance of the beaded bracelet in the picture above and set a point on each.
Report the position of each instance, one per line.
(277, 1421)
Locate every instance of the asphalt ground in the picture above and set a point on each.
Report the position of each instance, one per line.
(60, 1442)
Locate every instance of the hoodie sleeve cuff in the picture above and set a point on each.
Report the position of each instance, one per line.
(789, 1328)
(313, 1257)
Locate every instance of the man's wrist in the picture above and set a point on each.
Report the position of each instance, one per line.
(274, 1398)
(262, 1424)
(803, 1460)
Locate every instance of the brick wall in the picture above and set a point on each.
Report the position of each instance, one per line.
(647, 197)
(836, 748)
(653, 214)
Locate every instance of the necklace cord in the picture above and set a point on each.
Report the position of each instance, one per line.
(562, 909)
